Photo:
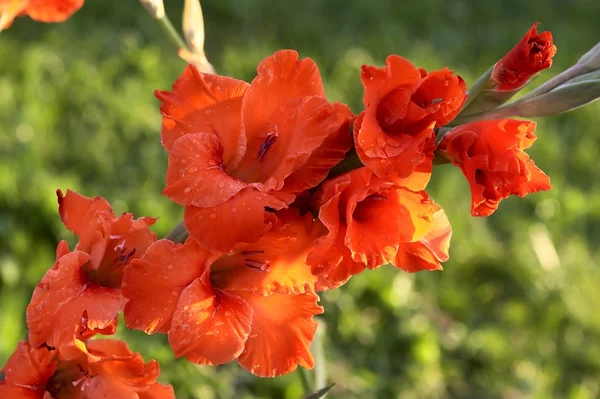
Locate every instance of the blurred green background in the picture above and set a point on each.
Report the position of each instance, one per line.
(513, 315)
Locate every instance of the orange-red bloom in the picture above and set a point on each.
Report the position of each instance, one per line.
(238, 150)
(254, 304)
(394, 134)
(532, 54)
(490, 155)
(81, 294)
(371, 222)
(38, 10)
(97, 369)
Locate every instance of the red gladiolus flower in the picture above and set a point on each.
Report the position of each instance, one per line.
(97, 369)
(81, 294)
(237, 148)
(38, 10)
(490, 155)
(532, 54)
(371, 222)
(254, 304)
(394, 134)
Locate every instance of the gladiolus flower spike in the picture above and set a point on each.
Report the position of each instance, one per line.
(285, 194)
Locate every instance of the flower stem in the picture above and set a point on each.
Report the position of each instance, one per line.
(156, 9)
(553, 83)
(179, 234)
(171, 32)
(305, 378)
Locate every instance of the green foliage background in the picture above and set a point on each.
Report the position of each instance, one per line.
(77, 111)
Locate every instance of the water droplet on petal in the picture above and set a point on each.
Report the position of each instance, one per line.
(170, 267)
(187, 190)
(213, 215)
(370, 154)
(381, 142)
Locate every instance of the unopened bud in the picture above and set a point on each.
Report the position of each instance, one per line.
(193, 31)
(591, 59)
(572, 94)
(155, 8)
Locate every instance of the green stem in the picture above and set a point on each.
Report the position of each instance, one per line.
(305, 378)
(171, 32)
(156, 10)
(179, 234)
(504, 111)
(349, 163)
(480, 85)
(553, 83)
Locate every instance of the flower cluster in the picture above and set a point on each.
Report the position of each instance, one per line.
(77, 299)
(285, 194)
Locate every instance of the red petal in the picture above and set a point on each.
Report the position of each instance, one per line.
(244, 215)
(196, 174)
(282, 330)
(158, 391)
(274, 263)
(381, 218)
(26, 372)
(209, 326)
(61, 299)
(490, 155)
(77, 211)
(531, 54)
(430, 250)
(194, 91)
(397, 157)
(330, 259)
(288, 139)
(117, 372)
(281, 77)
(331, 152)
(154, 283)
(223, 119)
(52, 11)
(9, 10)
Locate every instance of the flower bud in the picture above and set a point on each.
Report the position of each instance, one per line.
(591, 59)
(531, 55)
(509, 75)
(155, 8)
(193, 31)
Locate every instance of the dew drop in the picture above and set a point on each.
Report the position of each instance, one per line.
(192, 169)
(393, 143)
(213, 215)
(187, 190)
(381, 142)
(370, 154)
(174, 293)
(228, 313)
(221, 184)
(170, 267)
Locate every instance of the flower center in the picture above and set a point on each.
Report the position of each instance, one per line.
(269, 141)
